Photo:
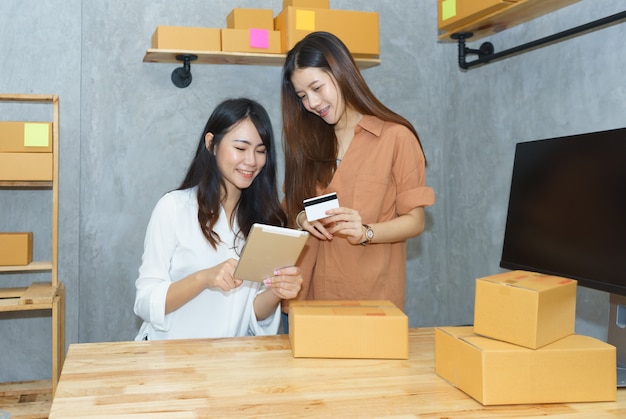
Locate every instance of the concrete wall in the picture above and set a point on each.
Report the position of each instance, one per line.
(127, 135)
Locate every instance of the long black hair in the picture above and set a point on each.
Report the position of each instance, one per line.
(258, 203)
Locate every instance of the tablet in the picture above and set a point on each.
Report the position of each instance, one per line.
(269, 248)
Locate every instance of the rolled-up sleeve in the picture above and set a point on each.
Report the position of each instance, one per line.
(154, 279)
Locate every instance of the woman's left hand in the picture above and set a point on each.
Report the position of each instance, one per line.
(344, 222)
(285, 283)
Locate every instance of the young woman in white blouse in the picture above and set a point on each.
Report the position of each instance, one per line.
(186, 287)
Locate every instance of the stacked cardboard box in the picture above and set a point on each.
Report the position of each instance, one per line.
(348, 329)
(26, 151)
(251, 30)
(522, 347)
(256, 30)
(357, 29)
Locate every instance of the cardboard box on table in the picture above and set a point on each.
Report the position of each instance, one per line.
(348, 329)
(251, 40)
(525, 308)
(573, 369)
(358, 30)
(186, 38)
(16, 249)
(245, 18)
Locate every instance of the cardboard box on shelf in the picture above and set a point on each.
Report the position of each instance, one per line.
(358, 30)
(25, 137)
(243, 18)
(573, 369)
(186, 38)
(454, 13)
(348, 329)
(312, 4)
(16, 249)
(26, 166)
(525, 308)
(251, 40)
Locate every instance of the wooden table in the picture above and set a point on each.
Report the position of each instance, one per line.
(257, 376)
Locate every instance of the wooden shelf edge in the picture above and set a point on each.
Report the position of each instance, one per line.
(31, 267)
(7, 97)
(240, 58)
(47, 184)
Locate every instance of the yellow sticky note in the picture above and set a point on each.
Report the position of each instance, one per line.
(448, 9)
(36, 135)
(305, 20)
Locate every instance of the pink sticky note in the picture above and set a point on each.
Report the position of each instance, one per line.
(259, 38)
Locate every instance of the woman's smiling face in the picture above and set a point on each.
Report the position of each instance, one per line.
(240, 156)
(319, 94)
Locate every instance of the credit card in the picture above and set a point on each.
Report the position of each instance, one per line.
(316, 207)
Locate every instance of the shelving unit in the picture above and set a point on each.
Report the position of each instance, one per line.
(221, 57)
(38, 295)
(181, 77)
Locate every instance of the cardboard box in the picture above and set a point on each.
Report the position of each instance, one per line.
(251, 40)
(240, 18)
(358, 30)
(573, 369)
(16, 248)
(313, 4)
(525, 308)
(25, 137)
(186, 38)
(454, 13)
(348, 329)
(26, 166)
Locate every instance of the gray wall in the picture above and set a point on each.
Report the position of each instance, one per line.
(127, 135)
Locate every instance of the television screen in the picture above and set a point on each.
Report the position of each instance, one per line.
(567, 209)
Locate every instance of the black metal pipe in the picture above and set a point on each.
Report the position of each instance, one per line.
(463, 50)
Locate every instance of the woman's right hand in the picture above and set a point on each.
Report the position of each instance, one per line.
(221, 276)
(315, 228)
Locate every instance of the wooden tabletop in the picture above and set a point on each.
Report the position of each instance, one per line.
(257, 376)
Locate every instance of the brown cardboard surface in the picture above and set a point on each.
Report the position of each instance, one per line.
(358, 30)
(16, 248)
(26, 166)
(186, 38)
(313, 4)
(573, 369)
(525, 308)
(348, 329)
(241, 40)
(244, 18)
(453, 13)
(25, 137)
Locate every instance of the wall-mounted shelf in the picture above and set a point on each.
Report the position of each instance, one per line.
(221, 57)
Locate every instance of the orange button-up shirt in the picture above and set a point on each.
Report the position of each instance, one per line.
(383, 176)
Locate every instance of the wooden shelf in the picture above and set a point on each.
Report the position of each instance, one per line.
(512, 15)
(26, 399)
(240, 58)
(43, 184)
(36, 266)
(39, 295)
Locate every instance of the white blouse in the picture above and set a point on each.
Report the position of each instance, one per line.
(174, 248)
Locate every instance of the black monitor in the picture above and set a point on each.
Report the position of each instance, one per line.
(567, 217)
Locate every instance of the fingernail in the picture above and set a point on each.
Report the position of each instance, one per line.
(267, 282)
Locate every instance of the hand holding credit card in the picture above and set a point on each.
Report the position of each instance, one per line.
(316, 207)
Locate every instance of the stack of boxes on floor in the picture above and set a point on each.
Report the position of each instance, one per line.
(522, 347)
(257, 31)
